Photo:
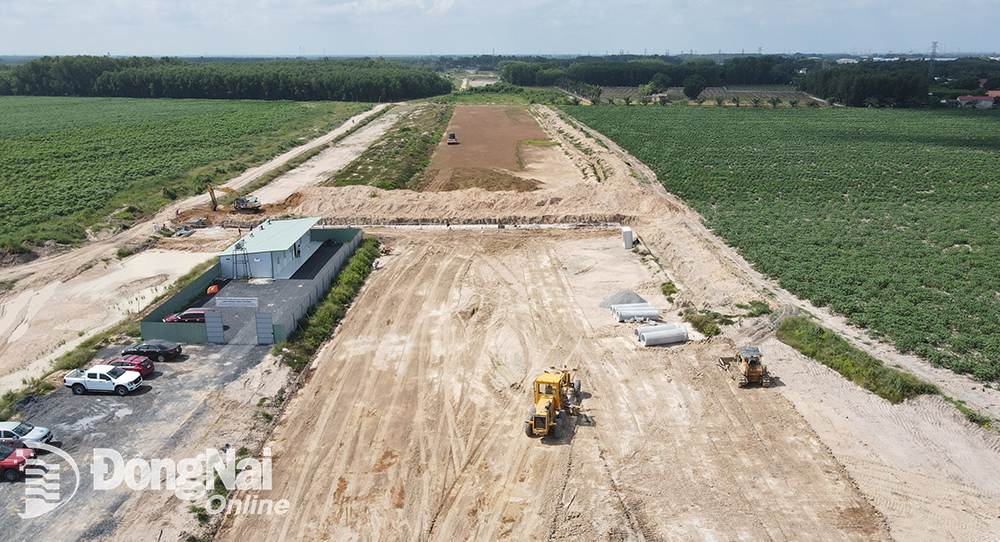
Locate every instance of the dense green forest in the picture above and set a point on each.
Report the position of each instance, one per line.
(888, 217)
(363, 80)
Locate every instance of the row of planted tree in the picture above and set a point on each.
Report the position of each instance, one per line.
(718, 101)
(367, 80)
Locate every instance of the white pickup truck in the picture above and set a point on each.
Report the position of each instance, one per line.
(102, 378)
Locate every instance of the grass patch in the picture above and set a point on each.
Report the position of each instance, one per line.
(864, 370)
(755, 308)
(399, 157)
(708, 323)
(983, 421)
(318, 323)
(539, 143)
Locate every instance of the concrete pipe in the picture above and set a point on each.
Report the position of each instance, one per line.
(615, 309)
(649, 329)
(649, 313)
(667, 336)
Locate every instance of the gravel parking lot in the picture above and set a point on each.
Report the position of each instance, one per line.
(183, 407)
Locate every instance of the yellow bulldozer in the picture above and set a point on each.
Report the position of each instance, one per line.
(557, 397)
(746, 367)
(241, 204)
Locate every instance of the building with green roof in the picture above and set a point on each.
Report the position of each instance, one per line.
(274, 249)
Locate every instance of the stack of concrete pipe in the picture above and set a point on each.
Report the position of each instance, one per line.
(630, 312)
(662, 334)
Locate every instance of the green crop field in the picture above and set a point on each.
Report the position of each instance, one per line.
(889, 217)
(71, 163)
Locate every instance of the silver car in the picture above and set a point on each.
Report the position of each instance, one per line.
(23, 432)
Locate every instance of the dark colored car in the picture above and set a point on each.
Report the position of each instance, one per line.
(13, 462)
(157, 349)
(190, 315)
(139, 364)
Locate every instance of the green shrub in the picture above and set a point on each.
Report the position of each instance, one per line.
(707, 322)
(831, 350)
(755, 308)
(315, 327)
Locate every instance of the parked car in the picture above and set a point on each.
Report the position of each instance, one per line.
(14, 433)
(13, 462)
(190, 315)
(157, 349)
(139, 364)
(102, 378)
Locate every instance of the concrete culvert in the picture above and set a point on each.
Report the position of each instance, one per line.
(667, 336)
(616, 309)
(649, 313)
(649, 329)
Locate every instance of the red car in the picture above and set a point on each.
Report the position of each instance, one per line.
(139, 364)
(14, 461)
(190, 315)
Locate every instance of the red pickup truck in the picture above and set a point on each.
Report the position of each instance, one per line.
(14, 461)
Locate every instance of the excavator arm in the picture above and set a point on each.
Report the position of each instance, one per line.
(241, 202)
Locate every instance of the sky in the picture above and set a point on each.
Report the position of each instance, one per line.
(465, 27)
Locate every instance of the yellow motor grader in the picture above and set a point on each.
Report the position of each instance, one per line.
(557, 396)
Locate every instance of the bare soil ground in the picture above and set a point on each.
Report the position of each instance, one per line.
(489, 140)
(410, 425)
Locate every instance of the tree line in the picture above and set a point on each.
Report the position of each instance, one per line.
(749, 70)
(861, 87)
(362, 80)
(869, 83)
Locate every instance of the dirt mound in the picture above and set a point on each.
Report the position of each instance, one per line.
(622, 297)
(292, 201)
(487, 179)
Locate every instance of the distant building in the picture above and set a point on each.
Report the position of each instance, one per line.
(982, 102)
(847, 61)
(993, 93)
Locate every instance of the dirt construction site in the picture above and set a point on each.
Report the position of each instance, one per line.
(409, 423)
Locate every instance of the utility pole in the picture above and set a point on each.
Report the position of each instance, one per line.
(930, 67)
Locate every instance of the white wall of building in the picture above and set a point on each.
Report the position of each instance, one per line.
(288, 262)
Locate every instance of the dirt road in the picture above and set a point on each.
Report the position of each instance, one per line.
(931, 474)
(411, 426)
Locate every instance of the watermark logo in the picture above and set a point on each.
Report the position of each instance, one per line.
(42, 480)
(190, 479)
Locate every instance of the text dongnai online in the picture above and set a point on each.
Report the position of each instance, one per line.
(188, 478)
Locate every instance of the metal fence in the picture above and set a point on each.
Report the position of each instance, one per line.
(153, 327)
(289, 320)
